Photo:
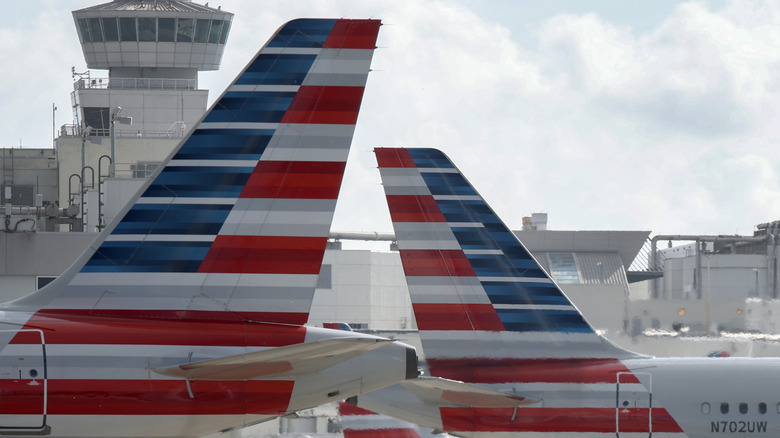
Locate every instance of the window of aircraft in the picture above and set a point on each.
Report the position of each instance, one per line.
(563, 268)
(705, 408)
(110, 29)
(762, 408)
(778, 408)
(724, 408)
(166, 30)
(743, 408)
(184, 30)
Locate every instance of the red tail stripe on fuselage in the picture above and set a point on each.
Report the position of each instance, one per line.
(439, 316)
(331, 105)
(353, 34)
(85, 326)
(148, 397)
(295, 180)
(594, 420)
(265, 255)
(381, 433)
(394, 157)
(570, 370)
(436, 263)
(414, 208)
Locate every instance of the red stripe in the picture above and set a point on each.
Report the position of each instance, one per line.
(414, 208)
(150, 397)
(483, 370)
(353, 34)
(436, 263)
(265, 255)
(381, 433)
(295, 179)
(394, 157)
(594, 420)
(438, 316)
(326, 105)
(348, 409)
(82, 327)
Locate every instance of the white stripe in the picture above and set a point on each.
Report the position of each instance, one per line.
(306, 154)
(160, 238)
(437, 170)
(532, 307)
(292, 50)
(457, 197)
(212, 163)
(466, 224)
(483, 251)
(237, 125)
(264, 87)
(184, 200)
(517, 279)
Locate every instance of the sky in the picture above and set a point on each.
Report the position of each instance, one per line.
(606, 115)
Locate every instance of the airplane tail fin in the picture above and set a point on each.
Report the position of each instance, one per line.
(235, 222)
(479, 296)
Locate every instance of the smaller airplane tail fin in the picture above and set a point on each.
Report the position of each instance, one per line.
(479, 296)
(234, 223)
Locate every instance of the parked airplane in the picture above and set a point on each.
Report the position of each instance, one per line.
(490, 316)
(185, 317)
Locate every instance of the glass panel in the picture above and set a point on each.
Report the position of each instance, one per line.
(724, 408)
(762, 408)
(743, 408)
(166, 29)
(216, 28)
(185, 29)
(110, 30)
(705, 408)
(127, 29)
(147, 29)
(225, 29)
(95, 30)
(201, 31)
(84, 31)
(563, 268)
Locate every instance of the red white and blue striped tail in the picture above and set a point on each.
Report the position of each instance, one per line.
(235, 223)
(478, 294)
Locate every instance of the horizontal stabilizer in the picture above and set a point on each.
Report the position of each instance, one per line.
(293, 359)
(441, 391)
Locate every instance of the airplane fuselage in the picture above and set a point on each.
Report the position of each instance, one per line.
(61, 370)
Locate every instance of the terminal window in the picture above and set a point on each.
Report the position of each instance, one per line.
(563, 268)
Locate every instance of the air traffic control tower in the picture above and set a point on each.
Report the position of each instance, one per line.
(153, 51)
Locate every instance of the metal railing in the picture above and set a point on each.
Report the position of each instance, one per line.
(76, 131)
(135, 84)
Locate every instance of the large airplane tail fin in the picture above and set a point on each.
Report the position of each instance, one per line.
(235, 222)
(483, 304)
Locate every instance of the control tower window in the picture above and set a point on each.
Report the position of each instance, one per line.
(225, 29)
(95, 31)
(202, 31)
(166, 30)
(110, 29)
(184, 30)
(84, 31)
(147, 29)
(216, 28)
(127, 29)
(98, 119)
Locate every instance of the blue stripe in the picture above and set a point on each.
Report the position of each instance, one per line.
(447, 184)
(173, 219)
(277, 70)
(497, 265)
(432, 158)
(463, 211)
(510, 292)
(537, 320)
(262, 107)
(225, 144)
(211, 182)
(303, 33)
(148, 256)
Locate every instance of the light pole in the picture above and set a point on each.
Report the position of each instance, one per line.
(115, 117)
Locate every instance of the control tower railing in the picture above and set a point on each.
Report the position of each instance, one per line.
(135, 84)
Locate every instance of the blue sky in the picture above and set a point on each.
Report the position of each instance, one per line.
(657, 116)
